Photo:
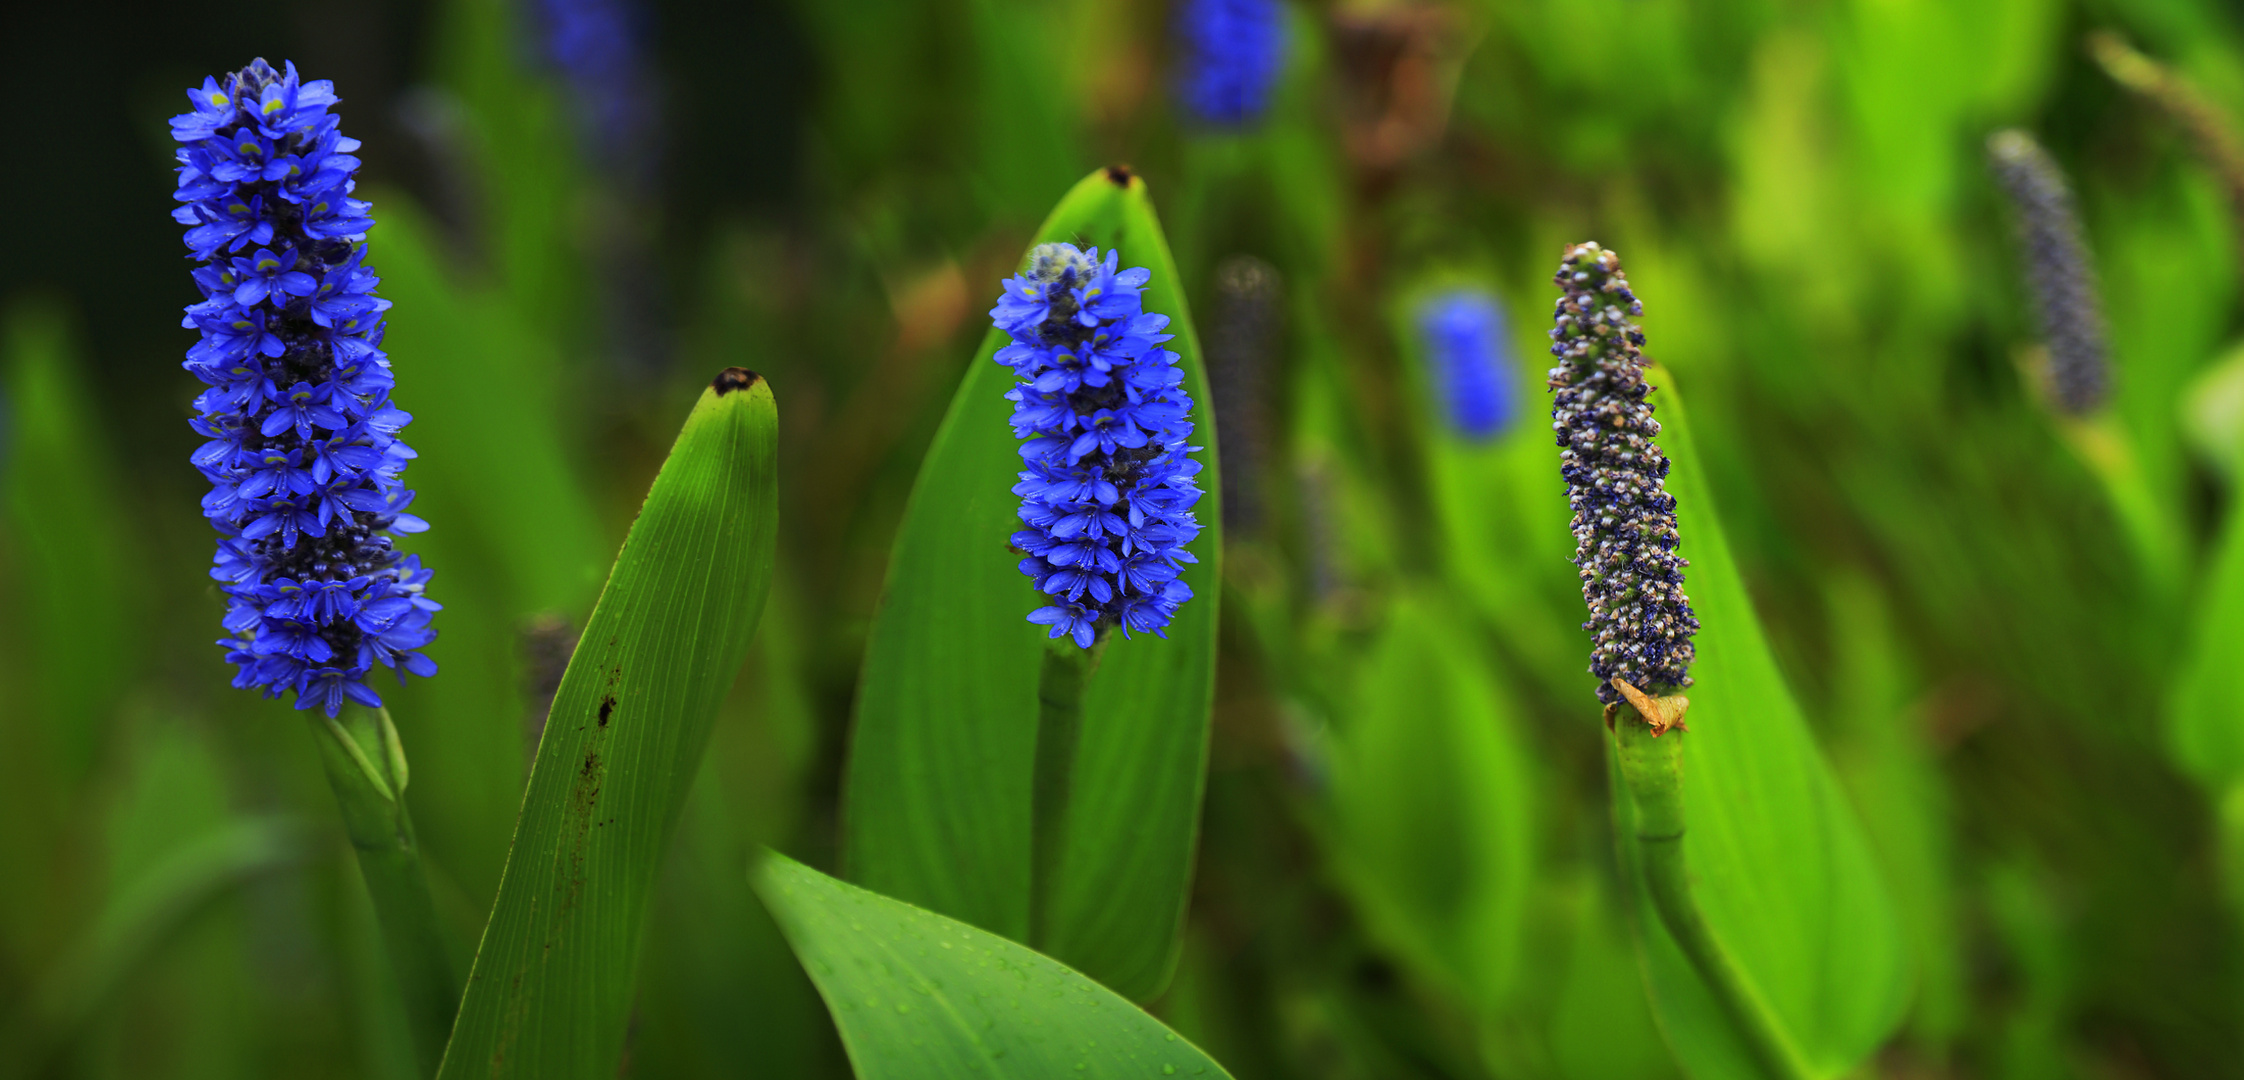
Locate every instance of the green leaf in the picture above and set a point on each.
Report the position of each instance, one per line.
(2103, 444)
(1433, 805)
(82, 609)
(551, 989)
(720, 992)
(503, 471)
(921, 997)
(1884, 756)
(503, 130)
(1779, 866)
(1601, 1026)
(1504, 535)
(142, 915)
(2213, 413)
(939, 803)
(164, 847)
(514, 535)
(1026, 142)
(2205, 721)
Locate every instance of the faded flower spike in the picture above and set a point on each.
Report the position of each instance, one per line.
(1108, 487)
(1232, 50)
(1624, 520)
(1463, 330)
(303, 456)
(2057, 271)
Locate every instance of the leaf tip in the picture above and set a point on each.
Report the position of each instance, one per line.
(734, 378)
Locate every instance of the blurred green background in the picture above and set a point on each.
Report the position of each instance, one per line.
(1406, 868)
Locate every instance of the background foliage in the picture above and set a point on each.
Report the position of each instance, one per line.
(1406, 865)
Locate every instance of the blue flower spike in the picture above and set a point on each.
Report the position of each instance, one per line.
(1108, 482)
(303, 456)
(1232, 51)
(1463, 331)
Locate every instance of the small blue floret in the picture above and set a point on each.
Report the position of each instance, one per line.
(1108, 488)
(302, 455)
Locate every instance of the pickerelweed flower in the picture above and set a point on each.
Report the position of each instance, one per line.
(1463, 331)
(1108, 487)
(1232, 51)
(303, 456)
(2057, 271)
(1624, 520)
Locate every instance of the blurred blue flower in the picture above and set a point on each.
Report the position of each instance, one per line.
(1109, 486)
(302, 453)
(1463, 331)
(1232, 52)
(596, 47)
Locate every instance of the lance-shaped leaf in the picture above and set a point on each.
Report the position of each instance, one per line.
(921, 997)
(2205, 725)
(76, 603)
(518, 537)
(550, 993)
(1778, 866)
(1433, 806)
(940, 802)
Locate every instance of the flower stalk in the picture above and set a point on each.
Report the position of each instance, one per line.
(306, 471)
(1061, 685)
(1651, 769)
(366, 767)
(2212, 135)
(1640, 619)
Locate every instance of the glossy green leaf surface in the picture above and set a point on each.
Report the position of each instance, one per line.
(1779, 865)
(921, 997)
(939, 799)
(550, 992)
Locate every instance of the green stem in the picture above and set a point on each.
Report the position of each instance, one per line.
(366, 767)
(2103, 444)
(1059, 723)
(1652, 768)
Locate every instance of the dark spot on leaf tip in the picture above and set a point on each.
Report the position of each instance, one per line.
(1119, 175)
(607, 706)
(734, 378)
